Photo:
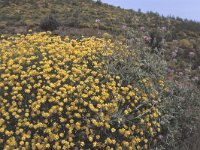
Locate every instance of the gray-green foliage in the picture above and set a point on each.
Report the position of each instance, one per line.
(180, 113)
(180, 103)
(137, 61)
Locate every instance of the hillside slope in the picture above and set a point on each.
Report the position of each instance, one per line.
(83, 14)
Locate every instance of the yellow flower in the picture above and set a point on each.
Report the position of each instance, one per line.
(113, 129)
(142, 121)
(27, 91)
(117, 77)
(126, 144)
(90, 138)
(47, 145)
(94, 144)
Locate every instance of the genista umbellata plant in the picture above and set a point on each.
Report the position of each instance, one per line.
(56, 94)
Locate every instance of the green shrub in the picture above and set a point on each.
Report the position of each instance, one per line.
(98, 2)
(57, 94)
(156, 39)
(180, 113)
(49, 23)
(185, 43)
(107, 36)
(180, 100)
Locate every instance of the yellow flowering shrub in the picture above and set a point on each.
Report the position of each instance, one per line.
(56, 94)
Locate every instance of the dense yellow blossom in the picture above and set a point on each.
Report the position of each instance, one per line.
(56, 94)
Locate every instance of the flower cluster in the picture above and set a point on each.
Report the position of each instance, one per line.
(56, 94)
